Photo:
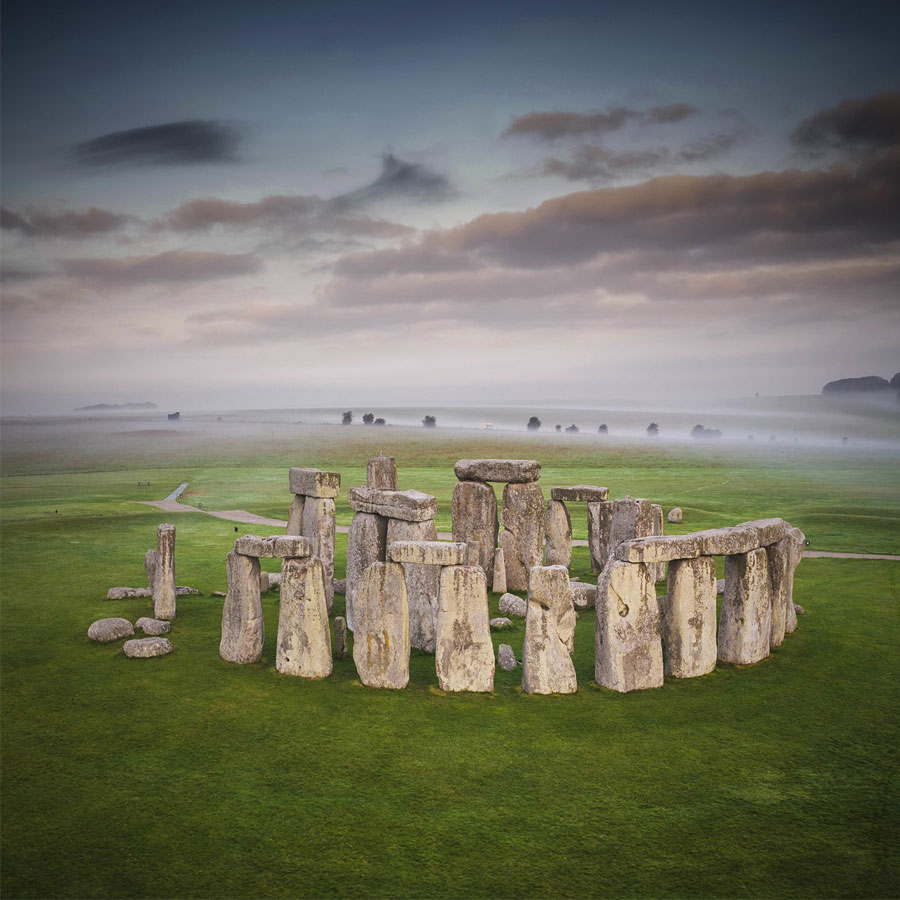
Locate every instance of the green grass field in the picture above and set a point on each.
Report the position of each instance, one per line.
(190, 777)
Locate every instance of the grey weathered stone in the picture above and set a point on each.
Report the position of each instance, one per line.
(584, 596)
(263, 581)
(547, 666)
(339, 585)
(340, 637)
(409, 506)
(428, 553)
(631, 518)
(781, 576)
(381, 473)
(146, 648)
(720, 585)
(675, 515)
(422, 582)
(500, 623)
(580, 493)
(182, 591)
(275, 546)
(381, 635)
(464, 654)
(688, 618)
(506, 658)
(522, 540)
(473, 554)
(153, 627)
(745, 622)
(274, 580)
(511, 471)
(295, 515)
(315, 483)
(127, 593)
(164, 585)
(303, 647)
(242, 618)
(318, 529)
(727, 541)
(110, 629)
(769, 531)
(557, 534)
(798, 539)
(599, 524)
(366, 544)
(799, 610)
(219, 594)
(474, 517)
(659, 529)
(513, 605)
(150, 567)
(499, 583)
(660, 549)
(628, 646)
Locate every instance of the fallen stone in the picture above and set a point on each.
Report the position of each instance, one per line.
(182, 591)
(557, 534)
(522, 540)
(340, 585)
(381, 636)
(126, 593)
(422, 582)
(628, 647)
(146, 648)
(580, 493)
(464, 654)
(303, 647)
(500, 624)
(409, 506)
(745, 622)
(511, 471)
(381, 473)
(106, 630)
(318, 529)
(275, 546)
(688, 618)
(675, 515)
(513, 605)
(474, 517)
(584, 596)
(366, 544)
(499, 585)
(660, 549)
(428, 553)
(599, 524)
(506, 658)
(164, 583)
(150, 568)
(340, 637)
(242, 618)
(295, 515)
(547, 666)
(799, 610)
(315, 483)
(727, 541)
(153, 626)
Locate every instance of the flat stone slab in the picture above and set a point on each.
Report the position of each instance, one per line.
(126, 593)
(580, 493)
(769, 531)
(727, 541)
(106, 630)
(183, 591)
(315, 483)
(511, 471)
(276, 546)
(145, 648)
(153, 627)
(408, 506)
(428, 553)
(500, 623)
(660, 549)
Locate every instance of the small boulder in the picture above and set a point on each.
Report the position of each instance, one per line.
(500, 623)
(799, 609)
(675, 515)
(720, 585)
(153, 626)
(110, 629)
(513, 605)
(184, 591)
(127, 593)
(506, 658)
(144, 648)
(219, 594)
(340, 585)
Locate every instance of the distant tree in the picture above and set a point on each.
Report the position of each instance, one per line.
(559, 427)
(652, 429)
(534, 423)
(379, 422)
(698, 431)
(368, 418)
(347, 418)
(602, 429)
(429, 421)
(572, 429)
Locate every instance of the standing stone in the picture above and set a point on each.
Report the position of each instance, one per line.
(659, 528)
(499, 585)
(558, 534)
(798, 539)
(318, 528)
(631, 518)
(381, 472)
(366, 543)
(164, 585)
(381, 636)
(522, 516)
(599, 523)
(464, 656)
(474, 516)
(263, 581)
(688, 614)
(150, 568)
(423, 583)
(778, 560)
(628, 646)
(547, 666)
(506, 657)
(242, 617)
(340, 637)
(745, 622)
(295, 515)
(304, 635)
(675, 515)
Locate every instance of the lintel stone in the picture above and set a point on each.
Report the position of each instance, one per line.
(315, 483)
(428, 553)
(276, 546)
(580, 493)
(511, 471)
(408, 506)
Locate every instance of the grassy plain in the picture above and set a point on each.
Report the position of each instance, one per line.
(190, 777)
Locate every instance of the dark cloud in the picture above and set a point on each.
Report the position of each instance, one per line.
(551, 126)
(175, 143)
(400, 178)
(710, 147)
(72, 224)
(868, 123)
(599, 163)
(173, 266)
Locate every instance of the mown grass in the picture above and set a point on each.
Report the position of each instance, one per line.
(190, 777)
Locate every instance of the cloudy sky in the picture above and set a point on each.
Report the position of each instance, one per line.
(275, 204)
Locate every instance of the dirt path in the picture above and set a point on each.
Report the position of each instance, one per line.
(248, 518)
